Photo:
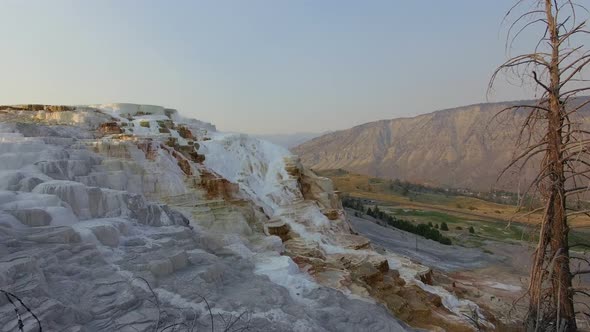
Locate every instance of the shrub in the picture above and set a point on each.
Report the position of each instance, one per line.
(145, 124)
(444, 226)
(446, 241)
(471, 230)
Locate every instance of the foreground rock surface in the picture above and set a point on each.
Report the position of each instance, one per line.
(128, 217)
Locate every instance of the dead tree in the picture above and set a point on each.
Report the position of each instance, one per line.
(20, 324)
(553, 138)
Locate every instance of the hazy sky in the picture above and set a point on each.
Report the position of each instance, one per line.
(254, 66)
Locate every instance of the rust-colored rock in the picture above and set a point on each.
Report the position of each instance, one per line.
(125, 137)
(408, 302)
(189, 151)
(278, 228)
(166, 124)
(37, 107)
(198, 158)
(426, 277)
(58, 108)
(300, 247)
(172, 142)
(183, 163)
(435, 299)
(367, 273)
(218, 187)
(352, 241)
(311, 265)
(110, 128)
(293, 170)
(320, 189)
(332, 214)
(13, 108)
(148, 149)
(185, 166)
(380, 264)
(184, 132)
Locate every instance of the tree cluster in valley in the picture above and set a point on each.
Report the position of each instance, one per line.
(428, 231)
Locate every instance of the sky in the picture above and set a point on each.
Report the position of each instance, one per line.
(256, 66)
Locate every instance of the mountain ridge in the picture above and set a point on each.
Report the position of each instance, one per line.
(450, 109)
(466, 146)
(289, 140)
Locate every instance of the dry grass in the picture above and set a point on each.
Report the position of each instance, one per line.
(363, 186)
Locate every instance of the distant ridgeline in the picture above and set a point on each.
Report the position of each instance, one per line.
(463, 147)
(428, 231)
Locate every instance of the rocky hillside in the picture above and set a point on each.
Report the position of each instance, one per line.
(459, 147)
(289, 140)
(128, 217)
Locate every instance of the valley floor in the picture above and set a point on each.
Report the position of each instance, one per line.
(424, 251)
(493, 275)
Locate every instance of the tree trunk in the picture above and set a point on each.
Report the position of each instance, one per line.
(551, 279)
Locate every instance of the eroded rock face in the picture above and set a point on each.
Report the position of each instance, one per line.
(279, 229)
(32, 217)
(89, 216)
(218, 187)
(110, 128)
(37, 107)
(321, 241)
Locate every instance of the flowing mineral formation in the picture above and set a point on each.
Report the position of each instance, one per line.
(125, 217)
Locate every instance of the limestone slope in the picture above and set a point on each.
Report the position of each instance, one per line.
(101, 204)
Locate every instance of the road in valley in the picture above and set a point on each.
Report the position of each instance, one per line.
(427, 252)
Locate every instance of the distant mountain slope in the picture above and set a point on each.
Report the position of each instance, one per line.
(289, 140)
(460, 147)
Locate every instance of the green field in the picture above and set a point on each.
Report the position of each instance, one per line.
(490, 220)
(484, 230)
(459, 227)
